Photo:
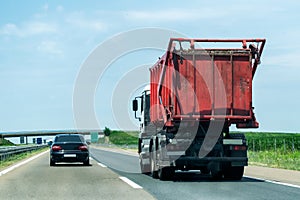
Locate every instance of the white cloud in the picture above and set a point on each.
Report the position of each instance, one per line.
(59, 8)
(81, 22)
(9, 29)
(174, 14)
(45, 7)
(28, 29)
(49, 47)
(33, 28)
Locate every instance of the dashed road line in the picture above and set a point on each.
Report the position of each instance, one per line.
(130, 182)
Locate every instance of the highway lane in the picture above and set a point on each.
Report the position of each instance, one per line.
(193, 185)
(37, 180)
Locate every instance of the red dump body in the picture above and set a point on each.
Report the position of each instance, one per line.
(192, 83)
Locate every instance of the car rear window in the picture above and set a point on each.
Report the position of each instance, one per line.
(69, 138)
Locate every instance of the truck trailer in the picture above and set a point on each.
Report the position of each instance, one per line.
(198, 89)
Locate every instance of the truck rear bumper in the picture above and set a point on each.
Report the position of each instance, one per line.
(194, 162)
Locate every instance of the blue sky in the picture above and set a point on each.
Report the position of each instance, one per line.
(43, 45)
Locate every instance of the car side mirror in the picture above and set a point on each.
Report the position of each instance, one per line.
(135, 105)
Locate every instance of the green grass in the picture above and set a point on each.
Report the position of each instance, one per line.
(123, 138)
(278, 159)
(273, 141)
(120, 138)
(4, 142)
(16, 158)
(279, 150)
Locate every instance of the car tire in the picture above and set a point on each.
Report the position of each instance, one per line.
(87, 162)
(52, 163)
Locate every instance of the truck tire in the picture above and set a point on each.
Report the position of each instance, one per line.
(217, 175)
(204, 171)
(234, 173)
(166, 173)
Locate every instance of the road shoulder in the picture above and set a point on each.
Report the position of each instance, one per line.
(274, 174)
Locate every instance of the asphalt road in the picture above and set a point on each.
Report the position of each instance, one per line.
(193, 185)
(108, 176)
(37, 180)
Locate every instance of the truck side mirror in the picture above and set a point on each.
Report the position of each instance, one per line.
(135, 105)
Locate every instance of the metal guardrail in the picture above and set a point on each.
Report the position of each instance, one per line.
(6, 152)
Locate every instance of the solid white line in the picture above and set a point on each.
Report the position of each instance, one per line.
(22, 163)
(100, 164)
(274, 182)
(130, 182)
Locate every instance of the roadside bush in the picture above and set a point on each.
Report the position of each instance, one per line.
(107, 131)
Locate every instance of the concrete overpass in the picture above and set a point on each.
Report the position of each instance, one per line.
(44, 133)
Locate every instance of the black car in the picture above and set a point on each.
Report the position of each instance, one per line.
(69, 148)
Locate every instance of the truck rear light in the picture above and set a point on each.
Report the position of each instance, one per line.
(56, 148)
(83, 148)
(239, 148)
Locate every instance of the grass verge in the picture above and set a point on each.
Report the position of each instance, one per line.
(16, 158)
(275, 159)
(120, 138)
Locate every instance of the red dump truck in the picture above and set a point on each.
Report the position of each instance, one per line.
(195, 95)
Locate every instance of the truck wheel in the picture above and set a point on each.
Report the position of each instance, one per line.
(166, 173)
(234, 173)
(204, 171)
(217, 175)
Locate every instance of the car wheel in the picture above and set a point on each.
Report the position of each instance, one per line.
(87, 162)
(52, 163)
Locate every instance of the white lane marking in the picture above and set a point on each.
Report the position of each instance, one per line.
(22, 163)
(100, 164)
(274, 182)
(91, 158)
(130, 182)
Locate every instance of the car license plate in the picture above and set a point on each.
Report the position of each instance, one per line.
(70, 155)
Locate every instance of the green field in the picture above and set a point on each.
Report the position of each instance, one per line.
(279, 150)
(285, 142)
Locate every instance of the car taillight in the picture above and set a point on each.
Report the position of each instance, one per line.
(56, 148)
(239, 148)
(83, 148)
